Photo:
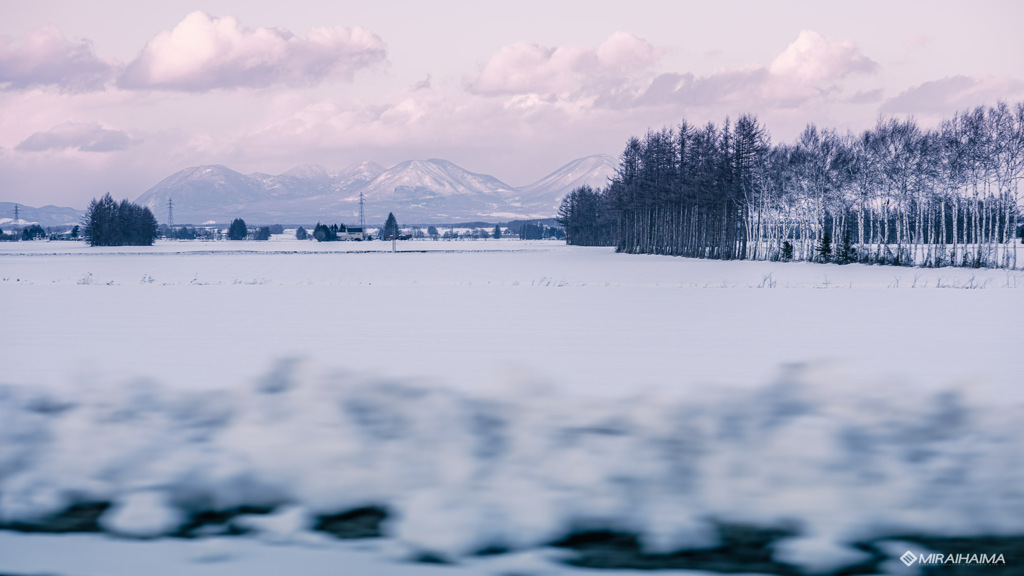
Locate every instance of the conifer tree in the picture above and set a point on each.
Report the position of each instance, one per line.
(824, 249)
(390, 230)
(238, 230)
(109, 223)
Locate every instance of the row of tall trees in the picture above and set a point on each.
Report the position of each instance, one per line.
(587, 217)
(110, 223)
(895, 194)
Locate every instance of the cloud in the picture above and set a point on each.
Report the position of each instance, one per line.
(731, 86)
(583, 98)
(528, 68)
(947, 95)
(867, 96)
(205, 53)
(45, 58)
(422, 84)
(810, 69)
(814, 58)
(82, 136)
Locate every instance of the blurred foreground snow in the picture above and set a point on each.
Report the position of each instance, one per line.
(829, 461)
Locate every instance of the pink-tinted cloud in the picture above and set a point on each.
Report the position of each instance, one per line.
(81, 136)
(46, 58)
(205, 53)
(811, 69)
(528, 68)
(814, 58)
(586, 99)
(953, 93)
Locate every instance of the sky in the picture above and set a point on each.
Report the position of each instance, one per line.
(114, 95)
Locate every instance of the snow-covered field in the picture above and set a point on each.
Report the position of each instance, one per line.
(496, 394)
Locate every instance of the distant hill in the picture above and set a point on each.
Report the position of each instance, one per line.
(44, 216)
(593, 171)
(417, 191)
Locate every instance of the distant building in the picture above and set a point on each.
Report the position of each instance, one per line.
(355, 233)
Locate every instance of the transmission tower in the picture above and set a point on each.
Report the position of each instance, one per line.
(170, 213)
(15, 213)
(362, 213)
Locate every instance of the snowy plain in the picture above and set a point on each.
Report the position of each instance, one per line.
(496, 393)
(465, 313)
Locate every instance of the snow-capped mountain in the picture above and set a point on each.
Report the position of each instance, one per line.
(436, 191)
(204, 193)
(547, 193)
(298, 182)
(417, 191)
(356, 176)
(433, 178)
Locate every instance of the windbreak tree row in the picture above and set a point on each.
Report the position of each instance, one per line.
(895, 194)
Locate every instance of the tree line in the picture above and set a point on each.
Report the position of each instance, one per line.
(894, 194)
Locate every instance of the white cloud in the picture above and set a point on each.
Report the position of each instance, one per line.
(814, 58)
(81, 136)
(46, 58)
(528, 68)
(810, 70)
(205, 53)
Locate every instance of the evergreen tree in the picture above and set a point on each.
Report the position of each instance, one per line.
(787, 251)
(824, 249)
(587, 218)
(33, 232)
(238, 230)
(432, 232)
(847, 253)
(497, 232)
(108, 223)
(390, 230)
(263, 233)
(325, 233)
(301, 234)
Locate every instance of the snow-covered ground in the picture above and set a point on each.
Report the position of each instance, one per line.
(469, 314)
(496, 393)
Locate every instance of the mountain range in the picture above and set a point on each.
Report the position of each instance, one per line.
(417, 191)
(44, 216)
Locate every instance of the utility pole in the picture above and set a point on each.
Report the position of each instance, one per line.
(362, 213)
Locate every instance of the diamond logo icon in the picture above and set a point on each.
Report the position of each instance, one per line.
(908, 558)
